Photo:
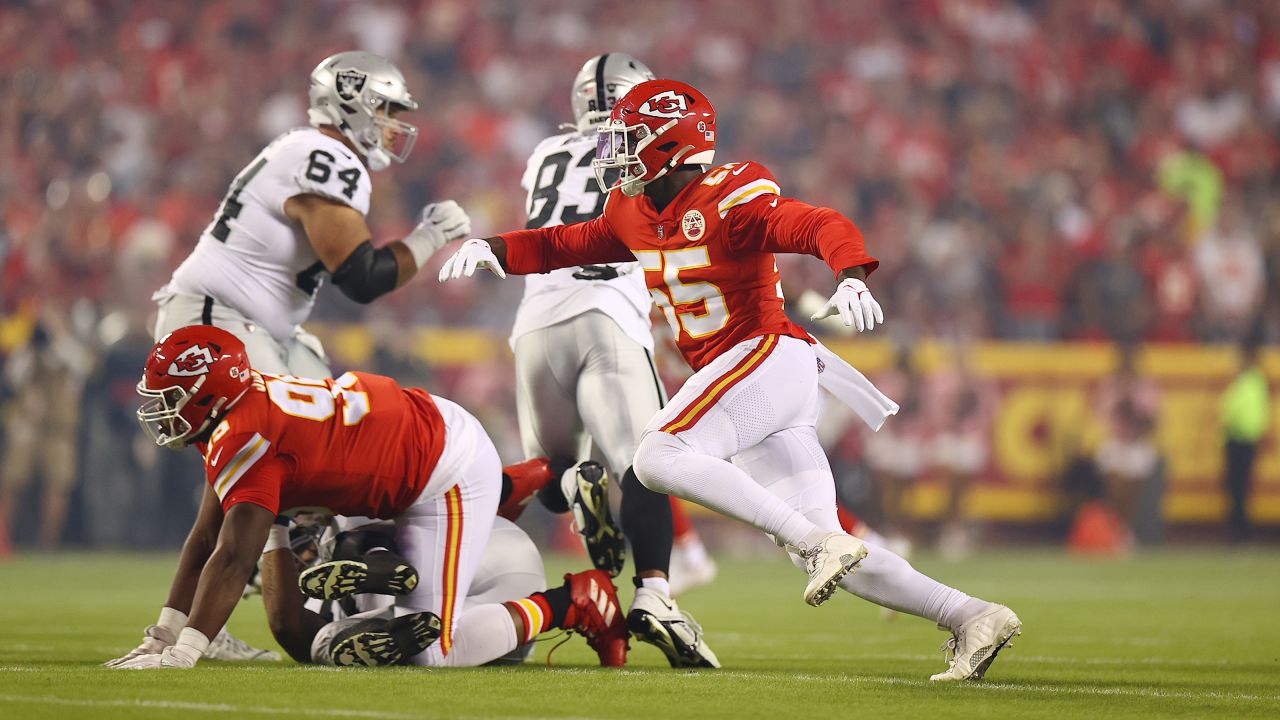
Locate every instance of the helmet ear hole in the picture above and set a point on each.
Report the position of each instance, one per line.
(204, 401)
(668, 146)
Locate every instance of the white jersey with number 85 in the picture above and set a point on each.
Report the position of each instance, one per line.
(562, 190)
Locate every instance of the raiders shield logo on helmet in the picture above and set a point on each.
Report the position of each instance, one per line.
(195, 360)
(350, 84)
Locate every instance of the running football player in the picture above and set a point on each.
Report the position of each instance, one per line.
(359, 445)
(739, 437)
(581, 334)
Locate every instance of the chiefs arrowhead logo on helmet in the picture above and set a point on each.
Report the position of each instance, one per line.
(195, 360)
(665, 105)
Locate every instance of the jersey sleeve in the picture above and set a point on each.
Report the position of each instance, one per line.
(545, 249)
(242, 467)
(759, 218)
(331, 171)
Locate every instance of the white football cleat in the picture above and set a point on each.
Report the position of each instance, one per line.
(828, 562)
(975, 644)
(657, 620)
(226, 646)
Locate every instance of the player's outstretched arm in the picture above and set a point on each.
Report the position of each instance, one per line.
(240, 542)
(539, 250)
(341, 239)
(292, 624)
(196, 550)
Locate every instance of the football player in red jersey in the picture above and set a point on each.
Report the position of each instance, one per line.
(359, 445)
(740, 436)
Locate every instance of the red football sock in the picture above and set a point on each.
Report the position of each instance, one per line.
(520, 483)
(542, 611)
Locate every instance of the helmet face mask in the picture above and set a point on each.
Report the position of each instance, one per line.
(358, 93)
(161, 415)
(618, 148)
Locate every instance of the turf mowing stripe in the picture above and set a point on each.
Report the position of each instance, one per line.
(225, 708)
(982, 685)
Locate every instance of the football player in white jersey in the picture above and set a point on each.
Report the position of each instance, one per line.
(585, 372)
(297, 212)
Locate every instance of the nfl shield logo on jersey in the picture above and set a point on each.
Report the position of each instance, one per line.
(693, 224)
(350, 83)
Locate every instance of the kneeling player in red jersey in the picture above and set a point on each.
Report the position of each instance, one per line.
(740, 436)
(359, 445)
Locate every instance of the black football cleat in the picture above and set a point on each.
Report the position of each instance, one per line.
(380, 572)
(376, 643)
(586, 488)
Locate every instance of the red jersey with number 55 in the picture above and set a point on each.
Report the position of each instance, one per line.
(357, 445)
(707, 257)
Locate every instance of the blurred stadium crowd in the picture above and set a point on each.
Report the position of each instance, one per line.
(1098, 170)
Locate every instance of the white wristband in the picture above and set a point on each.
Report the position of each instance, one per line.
(420, 247)
(277, 539)
(193, 643)
(172, 620)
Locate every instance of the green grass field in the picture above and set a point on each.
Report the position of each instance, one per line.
(1173, 634)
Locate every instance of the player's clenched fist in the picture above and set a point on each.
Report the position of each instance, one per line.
(473, 254)
(853, 301)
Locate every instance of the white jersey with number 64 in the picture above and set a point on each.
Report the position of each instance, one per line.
(562, 190)
(253, 258)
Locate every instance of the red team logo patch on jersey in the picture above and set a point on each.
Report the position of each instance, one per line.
(693, 224)
(195, 360)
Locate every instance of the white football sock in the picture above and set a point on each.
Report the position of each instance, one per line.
(886, 579)
(666, 464)
(657, 584)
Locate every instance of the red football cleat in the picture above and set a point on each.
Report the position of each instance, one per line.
(595, 612)
(527, 478)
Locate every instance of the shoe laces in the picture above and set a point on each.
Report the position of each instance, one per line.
(812, 556)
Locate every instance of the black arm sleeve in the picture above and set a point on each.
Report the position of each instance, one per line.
(367, 274)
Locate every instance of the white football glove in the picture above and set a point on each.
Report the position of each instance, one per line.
(154, 640)
(441, 224)
(175, 657)
(473, 254)
(853, 301)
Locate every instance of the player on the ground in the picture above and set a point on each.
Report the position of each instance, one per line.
(297, 212)
(336, 632)
(705, 238)
(585, 376)
(359, 445)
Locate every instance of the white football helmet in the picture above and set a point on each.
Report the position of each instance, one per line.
(600, 83)
(356, 92)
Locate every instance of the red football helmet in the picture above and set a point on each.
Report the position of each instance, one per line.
(194, 375)
(656, 127)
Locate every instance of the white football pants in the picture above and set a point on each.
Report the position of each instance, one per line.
(301, 355)
(757, 405)
(582, 382)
